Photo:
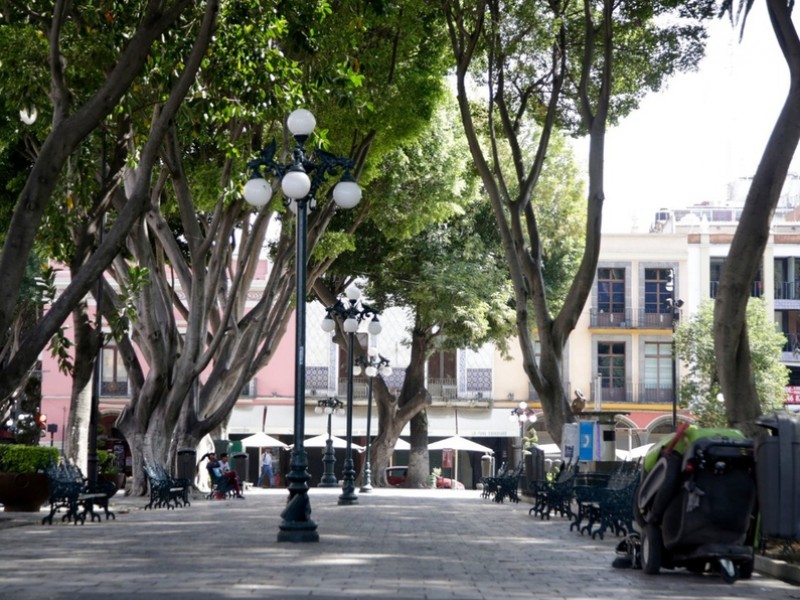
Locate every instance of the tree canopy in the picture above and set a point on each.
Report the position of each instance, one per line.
(700, 388)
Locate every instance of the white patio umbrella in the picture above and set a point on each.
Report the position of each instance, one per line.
(401, 444)
(262, 440)
(457, 443)
(318, 441)
(633, 454)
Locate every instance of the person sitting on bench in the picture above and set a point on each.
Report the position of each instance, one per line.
(221, 483)
(230, 474)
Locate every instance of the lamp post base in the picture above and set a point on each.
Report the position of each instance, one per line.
(328, 478)
(348, 495)
(297, 525)
(366, 488)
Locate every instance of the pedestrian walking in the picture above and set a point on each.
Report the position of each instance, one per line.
(266, 469)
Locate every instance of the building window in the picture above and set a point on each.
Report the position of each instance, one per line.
(655, 290)
(658, 371)
(359, 379)
(442, 368)
(611, 370)
(114, 378)
(611, 290)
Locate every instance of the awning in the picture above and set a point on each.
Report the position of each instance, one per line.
(444, 421)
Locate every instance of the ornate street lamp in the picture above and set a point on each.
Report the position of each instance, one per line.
(522, 414)
(373, 364)
(351, 314)
(329, 406)
(675, 307)
(299, 181)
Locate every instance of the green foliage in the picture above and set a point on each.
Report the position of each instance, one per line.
(128, 298)
(694, 343)
(106, 463)
(17, 458)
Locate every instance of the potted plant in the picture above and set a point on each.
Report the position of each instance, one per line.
(23, 483)
(108, 470)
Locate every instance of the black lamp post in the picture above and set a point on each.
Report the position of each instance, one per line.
(352, 313)
(675, 307)
(522, 414)
(299, 189)
(373, 364)
(329, 406)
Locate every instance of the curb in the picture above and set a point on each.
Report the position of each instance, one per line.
(778, 569)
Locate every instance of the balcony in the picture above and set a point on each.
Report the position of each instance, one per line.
(631, 319)
(634, 393)
(787, 290)
(756, 289)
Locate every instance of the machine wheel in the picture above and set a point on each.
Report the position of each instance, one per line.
(746, 569)
(728, 570)
(652, 549)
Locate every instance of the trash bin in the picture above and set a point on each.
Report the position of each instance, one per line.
(240, 463)
(186, 464)
(236, 446)
(534, 464)
(221, 446)
(486, 465)
(777, 453)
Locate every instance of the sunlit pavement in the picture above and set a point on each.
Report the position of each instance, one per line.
(426, 544)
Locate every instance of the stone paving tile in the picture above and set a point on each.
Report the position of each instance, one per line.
(393, 545)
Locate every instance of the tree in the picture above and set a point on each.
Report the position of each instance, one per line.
(732, 339)
(694, 345)
(200, 244)
(441, 260)
(559, 67)
(78, 101)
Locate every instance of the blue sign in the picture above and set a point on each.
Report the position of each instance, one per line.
(586, 440)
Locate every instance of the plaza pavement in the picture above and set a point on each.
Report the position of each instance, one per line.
(394, 544)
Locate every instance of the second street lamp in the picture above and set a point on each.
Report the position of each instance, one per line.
(329, 406)
(522, 414)
(373, 365)
(351, 314)
(299, 189)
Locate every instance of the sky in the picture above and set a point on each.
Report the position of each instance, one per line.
(701, 131)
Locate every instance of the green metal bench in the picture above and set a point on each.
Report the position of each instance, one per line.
(71, 491)
(165, 490)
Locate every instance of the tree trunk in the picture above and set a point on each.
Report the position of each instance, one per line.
(87, 345)
(419, 464)
(733, 358)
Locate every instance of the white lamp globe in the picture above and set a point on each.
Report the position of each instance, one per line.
(350, 325)
(371, 371)
(318, 410)
(347, 194)
(328, 410)
(352, 293)
(301, 122)
(357, 370)
(295, 184)
(523, 405)
(374, 326)
(328, 324)
(257, 192)
(386, 371)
